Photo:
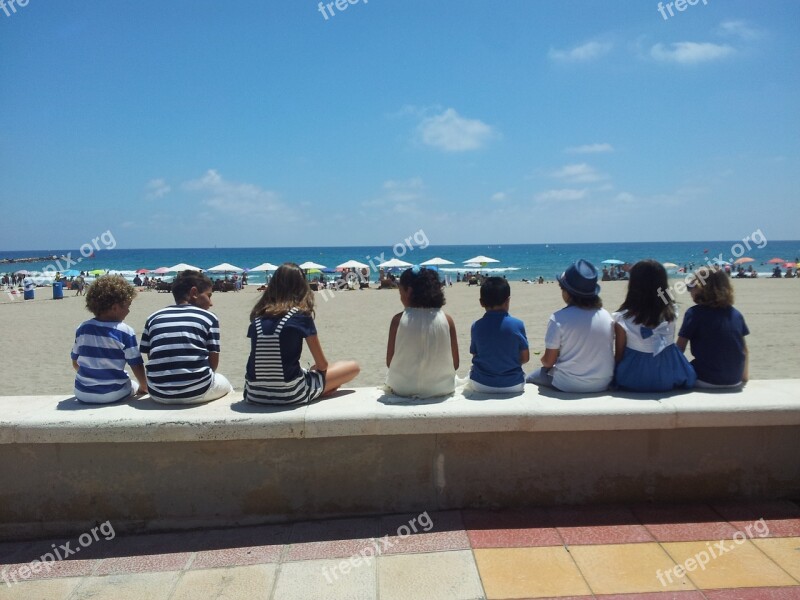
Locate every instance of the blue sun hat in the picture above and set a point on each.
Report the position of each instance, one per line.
(580, 279)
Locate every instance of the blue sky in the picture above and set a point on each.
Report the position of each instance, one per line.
(265, 123)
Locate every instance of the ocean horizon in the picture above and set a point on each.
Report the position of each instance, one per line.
(515, 261)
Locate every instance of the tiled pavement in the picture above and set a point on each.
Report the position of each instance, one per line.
(613, 553)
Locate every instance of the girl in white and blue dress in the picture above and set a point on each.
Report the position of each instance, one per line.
(644, 326)
(281, 319)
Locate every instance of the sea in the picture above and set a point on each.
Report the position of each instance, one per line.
(514, 261)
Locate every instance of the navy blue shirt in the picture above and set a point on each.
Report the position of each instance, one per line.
(716, 336)
(497, 340)
(297, 328)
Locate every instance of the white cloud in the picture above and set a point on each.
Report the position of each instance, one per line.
(157, 188)
(583, 53)
(590, 149)
(561, 195)
(399, 195)
(499, 196)
(237, 199)
(739, 29)
(579, 173)
(691, 53)
(450, 132)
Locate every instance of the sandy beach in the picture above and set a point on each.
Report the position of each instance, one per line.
(38, 335)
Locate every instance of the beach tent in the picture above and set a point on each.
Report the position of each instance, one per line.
(183, 267)
(481, 260)
(265, 267)
(394, 263)
(225, 268)
(352, 264)
(312, 265)
(436, 262)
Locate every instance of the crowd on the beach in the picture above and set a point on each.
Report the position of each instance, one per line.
(587, 349)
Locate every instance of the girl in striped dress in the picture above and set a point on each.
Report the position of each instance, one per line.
(281, 319)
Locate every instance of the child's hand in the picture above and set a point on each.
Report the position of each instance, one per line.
(142, 390)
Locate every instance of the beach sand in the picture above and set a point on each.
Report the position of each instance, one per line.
(38, 335)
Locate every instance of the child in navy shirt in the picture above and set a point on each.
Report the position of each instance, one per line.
(716, 331)
(499, 346)
(104, 345)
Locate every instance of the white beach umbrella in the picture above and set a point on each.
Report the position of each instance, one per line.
(225, 268)
(480, 260)
(352, 264)
(436, 262)
(265, 267)
(394, 263)
(183, 267)
(312, 265)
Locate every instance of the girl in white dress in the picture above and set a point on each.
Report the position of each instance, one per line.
(422, 353)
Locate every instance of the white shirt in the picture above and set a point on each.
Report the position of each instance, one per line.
(585, 341)
(660, 338)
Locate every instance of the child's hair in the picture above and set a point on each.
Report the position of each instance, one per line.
(647, 300)
(714, 287)
(426, 290)
(185, 281)
(106, 291)
(287, 289)
(494, 292)
(588, 302)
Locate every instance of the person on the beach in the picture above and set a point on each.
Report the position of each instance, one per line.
(579, 339)
(281, 319)
(104, 345)
(182, 346)
(716, 331)
(79, 283)
(422, 351)
(498, 344)
(644, 335)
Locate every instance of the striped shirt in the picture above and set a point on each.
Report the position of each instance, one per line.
(102, 348)
(177, 341)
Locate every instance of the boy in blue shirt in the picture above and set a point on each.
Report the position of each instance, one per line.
(499, 346)
(104, 345)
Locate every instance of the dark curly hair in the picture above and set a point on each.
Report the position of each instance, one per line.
(106, 291)
(426, 290)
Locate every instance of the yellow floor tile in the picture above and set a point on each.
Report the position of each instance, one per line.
(529, 573)
(784, 551)
(741, 565)
(627, 568)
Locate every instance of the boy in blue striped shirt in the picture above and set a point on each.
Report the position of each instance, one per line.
(104, 345)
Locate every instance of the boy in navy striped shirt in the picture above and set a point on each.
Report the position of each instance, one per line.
(104, 345)
(182, 345)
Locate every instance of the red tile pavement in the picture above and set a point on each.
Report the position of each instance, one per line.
(683, 523)
(62, 568)
(445, 532)
(776, 593)
(687, 595)
(510, 529)
(599, 525)
(240, 547)
(781, 516)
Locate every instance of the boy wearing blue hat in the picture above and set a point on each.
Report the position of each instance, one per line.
(579, 341)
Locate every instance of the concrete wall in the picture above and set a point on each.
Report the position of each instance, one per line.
(177, 479)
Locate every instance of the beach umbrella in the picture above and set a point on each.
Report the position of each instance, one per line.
(225, 268)
(265, 267)
(142, 271)
(744, 259)
(719, 262)
(71, 273)
(22, 272)
(352, 264)
(613, 261)
(670, 265)
(395, 263)
(481, 260)
(96, 272)
(789, 265)
(436, 262)
(183, 267)
(312, 265)
(161, 270)
(776, 261)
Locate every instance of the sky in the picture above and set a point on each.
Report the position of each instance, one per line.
(193, 123)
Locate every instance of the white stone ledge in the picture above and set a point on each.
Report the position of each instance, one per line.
(368, 411)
